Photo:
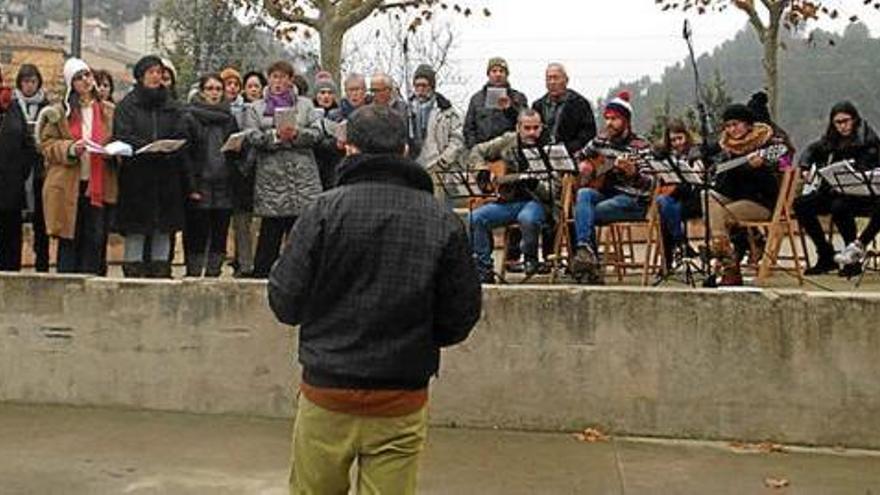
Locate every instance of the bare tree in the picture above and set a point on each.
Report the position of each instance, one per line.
(332, 19)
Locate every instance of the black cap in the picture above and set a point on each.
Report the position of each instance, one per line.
(740, 112)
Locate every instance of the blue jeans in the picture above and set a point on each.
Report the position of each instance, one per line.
(670, 217)
(594, 208)
(135, 245)
(529, 215)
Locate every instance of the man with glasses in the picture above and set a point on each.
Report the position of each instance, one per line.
(355, 86)
(848, 137)
(384, 93)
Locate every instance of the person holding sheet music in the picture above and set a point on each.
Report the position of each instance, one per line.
(848, 137)
(494, 109)
(517, 201)
(209, 205)
(285, 130)
(620, 194)
(79, 181)
(745, 192)
(152, 186)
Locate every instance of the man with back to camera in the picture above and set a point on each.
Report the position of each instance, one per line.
(379, 279)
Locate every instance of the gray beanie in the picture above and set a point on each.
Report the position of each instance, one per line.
(425, 71)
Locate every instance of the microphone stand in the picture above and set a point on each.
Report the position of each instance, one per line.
(705, 133)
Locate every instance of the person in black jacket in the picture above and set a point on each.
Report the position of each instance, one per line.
(21, 166)
(379, 279)
(483, 122)
(848, 137)
(568, 117)
(209, 205)
(151, 185)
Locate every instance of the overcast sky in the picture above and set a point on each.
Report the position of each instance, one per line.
(601, 42)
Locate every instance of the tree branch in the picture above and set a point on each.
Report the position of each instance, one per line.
(748, 6)
(350, 12)
(275, 8)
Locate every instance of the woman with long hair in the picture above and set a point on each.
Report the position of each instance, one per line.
(80, 182)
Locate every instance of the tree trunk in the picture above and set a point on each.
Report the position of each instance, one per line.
(331, 49)
(771, 67)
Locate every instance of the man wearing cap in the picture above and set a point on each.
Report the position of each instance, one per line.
(483, 122)
(568, 116)
(744, 193)
(436, 140)
(379, 278)
(622, 194)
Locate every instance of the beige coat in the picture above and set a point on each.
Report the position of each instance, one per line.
(61, 189)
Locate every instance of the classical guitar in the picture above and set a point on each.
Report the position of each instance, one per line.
(771, 153)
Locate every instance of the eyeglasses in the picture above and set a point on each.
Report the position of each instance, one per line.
(355, 89)
(82, 75)
(843, 121)
(379, 90)
(421, 85)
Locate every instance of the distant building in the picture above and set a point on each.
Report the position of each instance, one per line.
(13, 17)
(23, 48)
(99, 49)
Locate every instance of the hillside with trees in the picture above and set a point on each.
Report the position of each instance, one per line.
(817, 70)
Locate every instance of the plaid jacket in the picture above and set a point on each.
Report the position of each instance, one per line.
(379, 276)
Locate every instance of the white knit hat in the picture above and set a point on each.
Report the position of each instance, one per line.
(72, 67)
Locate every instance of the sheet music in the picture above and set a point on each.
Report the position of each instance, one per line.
(493, 95)
(845, 179)
(560, 160)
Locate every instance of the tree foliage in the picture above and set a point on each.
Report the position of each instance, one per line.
(767, 18)
(822, 68)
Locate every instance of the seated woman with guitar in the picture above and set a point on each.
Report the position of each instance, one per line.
(514, 198)
(848, 137)
(614, 185)
(746, 184)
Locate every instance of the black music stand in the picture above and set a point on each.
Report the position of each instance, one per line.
(846, 180)
(671, 171)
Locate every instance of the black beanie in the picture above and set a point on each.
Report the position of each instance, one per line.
(141, 67)
(425, 71)
(758, 105)
(740, 112)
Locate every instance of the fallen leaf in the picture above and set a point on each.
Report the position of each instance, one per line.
(591, 435)
(776, 482)
(764, 447)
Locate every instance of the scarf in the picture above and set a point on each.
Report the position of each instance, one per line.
(275, 101)
(421, 110)
(151, 97)
(757, 138)
(96, 160)
(30, 105)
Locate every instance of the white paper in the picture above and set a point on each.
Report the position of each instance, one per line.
(493, 95)
(560, 160)
(235, 140)
(285, 117)
(116, 148)
(162, 146)
(845, 179)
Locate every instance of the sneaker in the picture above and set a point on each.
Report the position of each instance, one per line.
(514, 266)
(824, 264)
(853, 253)
(585, 266)
(530, 267)
(487, 277)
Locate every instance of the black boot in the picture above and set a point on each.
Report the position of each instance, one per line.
(159, 269)
(824, 264)
(134, 269)
(195, 265)
(214, 265)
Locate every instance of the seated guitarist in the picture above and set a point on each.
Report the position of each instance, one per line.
(744, 193)
(516, 201)
(848, 137)
(621, 193)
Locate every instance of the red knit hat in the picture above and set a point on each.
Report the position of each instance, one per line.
(619, 106)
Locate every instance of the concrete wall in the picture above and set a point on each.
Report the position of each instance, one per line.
(788, 366)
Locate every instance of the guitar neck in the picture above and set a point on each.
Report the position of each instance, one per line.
(731, 164)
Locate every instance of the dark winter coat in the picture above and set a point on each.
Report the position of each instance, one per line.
(482, 124)
(574, 124)
(19, 158)
(211, 171)
(863, 148)
(151, 185)
(759, 185)
(379, 277)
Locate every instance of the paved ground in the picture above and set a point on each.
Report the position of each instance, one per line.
(56, 450)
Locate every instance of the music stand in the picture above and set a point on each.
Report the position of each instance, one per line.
(846, 180)
(678, 172)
